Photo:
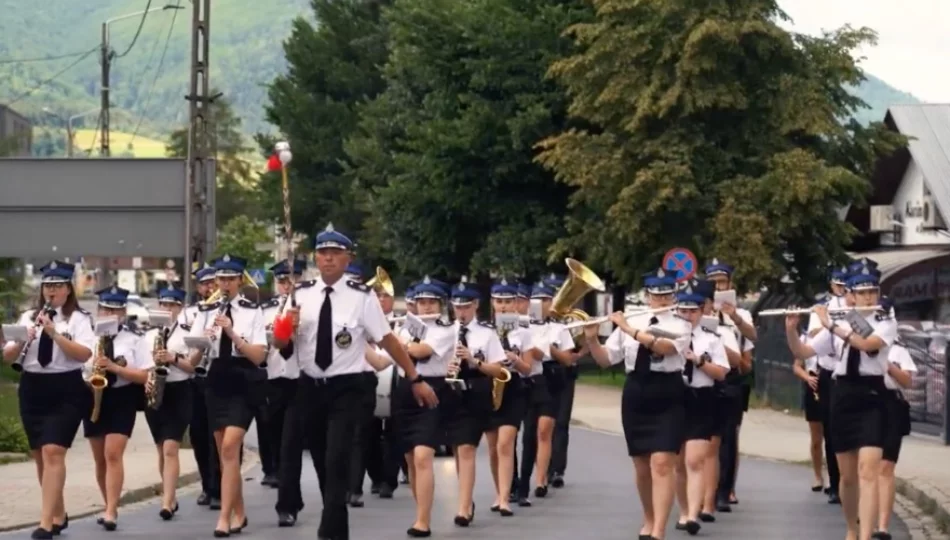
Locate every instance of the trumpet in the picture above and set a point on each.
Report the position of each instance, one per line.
(158, 375)
(202, 368)
(807, 311)
(48, 309)
(601, 320)
(97, 380)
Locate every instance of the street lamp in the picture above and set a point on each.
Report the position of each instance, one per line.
(69, 126)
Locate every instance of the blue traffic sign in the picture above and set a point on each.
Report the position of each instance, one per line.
(682, 262)
(259, 275)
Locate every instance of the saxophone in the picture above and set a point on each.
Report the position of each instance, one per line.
(158, 375)
(97, 380)
(498, 383)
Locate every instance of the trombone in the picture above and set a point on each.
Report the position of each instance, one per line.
(806, 311)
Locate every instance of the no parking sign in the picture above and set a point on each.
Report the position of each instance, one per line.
(681, 262)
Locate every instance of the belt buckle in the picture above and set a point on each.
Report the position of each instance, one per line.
(321, 381)
(457, 384)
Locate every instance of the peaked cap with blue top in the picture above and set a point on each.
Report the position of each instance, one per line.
(689, 298)
(429, 288)
(229, 265)
(553, 280)
(543, 290)
(281, 270)
(524, 290)
(716, 268)
(206, 273)
(503, 288)
(113, 297)
(864, 279)
(839, 275)
(58, 272)
(464, 293)
(330, 238)
(171, 295)
(659, 282)
(355, 270)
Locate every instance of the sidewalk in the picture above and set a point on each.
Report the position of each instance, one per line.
(923, 470)
(20, 495)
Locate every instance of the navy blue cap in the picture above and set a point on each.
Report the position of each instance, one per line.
(113, 297)
(464, 292)
(205, 273)
(355, 270)
(553, 280)
(862, 263)
(838, 275)
(229, 265)
(429, 288)
(660, 282)
(58, 272)
(704, 287)
(689, 298)
(503, 288)
(716, 268)
(864, 279)
(524, 290)
(542, 290)
(411, 293)
(329, 238)
(281, 270)
(171, 295)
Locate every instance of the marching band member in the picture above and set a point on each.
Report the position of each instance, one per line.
(522, 304)
(53, 398)
(736, 387)
(858, 408)
(381, 459)
(363, 429)
(336, 319)
(125, 359)
(823, 367)
(898, 376)
(562, 422)
(169, 422)
(503, 431)
(555, 344)
(233, 373)
(410, 308)
(282, 374)
(652, 410)
(199, 430)
(706, 362)
(467, 411)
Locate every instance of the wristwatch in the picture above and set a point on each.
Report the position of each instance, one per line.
(418, 379)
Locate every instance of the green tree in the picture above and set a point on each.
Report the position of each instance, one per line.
(332, 68)
(715, 129)
(236, 191)
(443, 161)
(240, 237)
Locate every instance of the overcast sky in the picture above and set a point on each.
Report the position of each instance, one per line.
(913, 50)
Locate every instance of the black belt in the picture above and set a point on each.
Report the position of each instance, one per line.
(347, 378)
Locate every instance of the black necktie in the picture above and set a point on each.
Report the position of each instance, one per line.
(109, 352)
(854, 362)
(324, 328)
(641, 365)
(463, 341)
(224, 350)
(45, 352)
(688, 369)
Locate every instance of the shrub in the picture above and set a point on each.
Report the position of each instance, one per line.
(12, 436)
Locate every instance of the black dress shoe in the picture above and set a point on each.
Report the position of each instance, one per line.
(505, 512)
(214, 503)
(386, 491)
(680, 526)
(524, 502)
(238, 529)
(692, 527)
(817, 489)
(167, 514)
(286, 519)
(513, 496)
(418, 533)
(557, 480)
(269, 480)
(203, 499)
(355, 501)
(723, 506)
(541, 492)
(374, 488)
(218, 533)
(706, 518)
(833, 498)
(57, 529)
(42, 534)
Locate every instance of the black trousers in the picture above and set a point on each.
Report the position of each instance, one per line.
(362, 435)
(202, 442)
(321, 419)
(825, 385)
(279, 394)
(729, 448)
(562, 425)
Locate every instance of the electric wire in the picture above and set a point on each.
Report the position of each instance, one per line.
(158, 73)
(41, 59)
(139, 30)
(53, 78)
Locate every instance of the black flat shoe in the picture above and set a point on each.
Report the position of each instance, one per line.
(541, 492)
(513, 497)
(285, 519)
(881, 535)
(214, 503)
(218, 533)
(505, 512)
(557, 481)
(465, 521)
(644, 537)
(706, 518)
(59, 528)
(680, 526)
(385, 492)
(494, 508)
(524, 502)
(203, 499)
(418, 533)
(109, 525)
(237, 530)
(355, 501)
(817, 489)
(692, 527)
(833, 498)
(41, 534)
(167, 514)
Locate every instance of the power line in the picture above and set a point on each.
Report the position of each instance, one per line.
(54, 77)
(158, 73)
(40, 59)
(139, 30)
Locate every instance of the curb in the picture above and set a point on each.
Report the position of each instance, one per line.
(251, 460)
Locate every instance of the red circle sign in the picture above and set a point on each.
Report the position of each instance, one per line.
(681, 262)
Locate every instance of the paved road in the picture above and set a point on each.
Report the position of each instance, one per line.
(599, 502)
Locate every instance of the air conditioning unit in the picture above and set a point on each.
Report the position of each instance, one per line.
(882, 218)
(931, 218)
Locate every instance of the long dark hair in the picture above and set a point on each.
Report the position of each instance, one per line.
(71, 304)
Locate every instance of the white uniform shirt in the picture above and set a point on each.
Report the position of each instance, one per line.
(188, 315)
(901, 356)
(552, 334)
(133, 348)
(175, 344)
(442, 337)
(706, 342)
(247, 322)
(814, 323)
(77, 328)
(811, 364)
(825, 344)
(484, 342)
(621, 347)
(278, 366)
(403, 337)
(726, 323)
(520, 341)
(538, 340)
(356, 312)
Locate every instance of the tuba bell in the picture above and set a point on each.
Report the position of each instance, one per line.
(580, 281)
(382, 282)
(97, 381)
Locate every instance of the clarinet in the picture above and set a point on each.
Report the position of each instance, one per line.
(48, 309)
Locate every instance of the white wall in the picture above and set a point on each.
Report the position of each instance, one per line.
(912, 190)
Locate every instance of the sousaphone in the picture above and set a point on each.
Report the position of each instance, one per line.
(580, 281)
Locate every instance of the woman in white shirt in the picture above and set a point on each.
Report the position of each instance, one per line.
(858, 413)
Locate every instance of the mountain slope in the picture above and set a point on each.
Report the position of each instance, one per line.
(246, 54)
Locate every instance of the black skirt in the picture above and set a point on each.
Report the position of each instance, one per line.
(234, 393)
(858, 413)
(512, 409)
(171, 420)
(466, 414)
(117, 412)
(538, 399)
(415, 425)
(701, 416)
(653, 413)
(811, 404)
(897, 424)
(52, 405)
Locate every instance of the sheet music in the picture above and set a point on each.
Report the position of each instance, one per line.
(415, 327)
(724, 297)
(15, 332)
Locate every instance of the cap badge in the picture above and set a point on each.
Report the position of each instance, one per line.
(226, 258)
(53, 265)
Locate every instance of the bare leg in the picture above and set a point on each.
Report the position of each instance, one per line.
(641, 467)
(848, 491)
(869, 469)
(886, 494)
(115, 472)
(664, 487)
(423, 485)
(54, 479)
(170, 471)
(711, 473)
(817, 452)
(506, 463)
(545, 435)
(465, 459)
(491, 437)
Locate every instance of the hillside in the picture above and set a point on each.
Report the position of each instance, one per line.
(246, 54)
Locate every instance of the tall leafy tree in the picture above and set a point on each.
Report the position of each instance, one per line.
(716, 129)
(332, 69)
(443, 162)
(240, 237)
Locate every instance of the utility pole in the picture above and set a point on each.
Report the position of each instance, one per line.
(200, 173)
(104, 118)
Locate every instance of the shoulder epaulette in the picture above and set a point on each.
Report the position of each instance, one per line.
(708, 331)
(273, 302)
(361, 287)
(305, 284)
(209, 307)
(135, 331)
(185, 327)
(487, 324)
(537, 322)
(245, 303)
(83, 311)
(442, 322)
(882, 316)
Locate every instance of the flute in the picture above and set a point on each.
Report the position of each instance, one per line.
(430, 317)
(807, 311)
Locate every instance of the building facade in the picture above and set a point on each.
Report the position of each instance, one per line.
(16, 133)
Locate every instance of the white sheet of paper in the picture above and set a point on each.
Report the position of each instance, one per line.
(724, 297)
(534, 309)
(200, 343)
(16, 332)
(415, 327)
(107, 326)
(506, 322)
(159, 318)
